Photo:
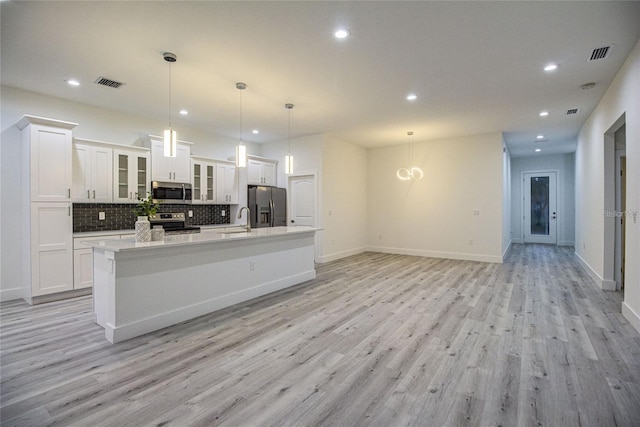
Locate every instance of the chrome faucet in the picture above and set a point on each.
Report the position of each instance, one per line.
(248, 226)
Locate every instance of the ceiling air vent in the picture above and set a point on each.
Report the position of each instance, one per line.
(108, 82)
(599, 53)
(572, 111)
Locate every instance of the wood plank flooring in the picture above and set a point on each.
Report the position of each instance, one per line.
(375, 340)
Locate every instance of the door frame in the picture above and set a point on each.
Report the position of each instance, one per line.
(525, 208)
(316, 210)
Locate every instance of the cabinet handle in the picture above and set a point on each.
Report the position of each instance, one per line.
(69, 193)
(94, 194)
(69, 210)
(88, 197)
(130, 195)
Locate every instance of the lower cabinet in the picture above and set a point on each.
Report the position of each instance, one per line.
(83, 259)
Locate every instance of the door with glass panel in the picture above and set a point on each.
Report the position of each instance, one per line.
(540, 213)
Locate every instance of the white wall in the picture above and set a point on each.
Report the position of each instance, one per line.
(94, 123)
(622, 97)
(564, 165)
(340, 168)
(435, 216)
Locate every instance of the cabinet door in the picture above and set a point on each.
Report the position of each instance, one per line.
(82, 268)
(51, 248)
(81, 164)
(196, 182)
(140, 176)
(269, 173)
(102, 175)
(211, 180)
(254, 171)
(181, 164)
(50, 162)
(227, 184)
(160, 165)
(122, 192)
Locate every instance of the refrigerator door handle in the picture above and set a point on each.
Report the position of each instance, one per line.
(272, 206)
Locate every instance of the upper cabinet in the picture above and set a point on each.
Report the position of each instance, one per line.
(261, 172)
(227, 183)
(203, 176)
(48, 147)
(92, 172)
(170, 169)
(131, 174)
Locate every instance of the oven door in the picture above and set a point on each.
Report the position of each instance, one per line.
(171, 192)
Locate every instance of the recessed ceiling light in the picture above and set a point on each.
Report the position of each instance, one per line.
(544, 113)
(537, 150)
(550, 67)
(540, 137)
(412, 97)
(255, 131)
(183, 112)
(342, 33)
(72, 82)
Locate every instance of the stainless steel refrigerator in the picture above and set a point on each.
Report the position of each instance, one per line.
(268, 206)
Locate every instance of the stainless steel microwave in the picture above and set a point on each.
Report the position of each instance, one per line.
(171, 192)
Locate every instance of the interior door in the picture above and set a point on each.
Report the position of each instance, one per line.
(302, 199)
(540, 211)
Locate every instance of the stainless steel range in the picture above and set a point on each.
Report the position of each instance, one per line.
(173, 223)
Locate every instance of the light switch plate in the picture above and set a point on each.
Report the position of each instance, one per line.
(190, 214)
(101, 216)
(223, 213)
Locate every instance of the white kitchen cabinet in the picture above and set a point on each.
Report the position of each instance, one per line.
(227, 183)
(203, 178)
(92, 166)
(131, 175)
(45, 203)
(261, 172)
(83, 259)
(47, 158)
(51, 248)
(170, 169)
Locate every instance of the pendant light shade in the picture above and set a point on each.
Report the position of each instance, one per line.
(411, 172)
(288, 160)
(241, 149)
(170, 138)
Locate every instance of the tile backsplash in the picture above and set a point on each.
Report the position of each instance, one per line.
(120, 216)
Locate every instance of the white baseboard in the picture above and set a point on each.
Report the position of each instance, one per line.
(339, 255)
(566, 243)
(605, 285)
(517, 240)
(11, 294)
(506, 251)
(631, 316)
(437, 254)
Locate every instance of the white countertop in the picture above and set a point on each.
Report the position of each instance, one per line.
(198, 238)
(106, 233)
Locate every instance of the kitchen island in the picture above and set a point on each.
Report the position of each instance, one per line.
(143, 287)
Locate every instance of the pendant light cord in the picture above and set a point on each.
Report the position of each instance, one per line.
(170, 108)
(241, 117)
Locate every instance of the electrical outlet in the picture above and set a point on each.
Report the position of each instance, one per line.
(252, 265)
(190, 214)
(379, 236)
(102, 216)
(471, 242)
(223, 213)
(476, 212)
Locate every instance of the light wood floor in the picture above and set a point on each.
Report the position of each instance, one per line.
(375, 340)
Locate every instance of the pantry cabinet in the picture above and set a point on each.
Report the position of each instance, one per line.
(45, 206)
(92, 170)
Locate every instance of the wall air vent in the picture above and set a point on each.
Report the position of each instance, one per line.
(599, 53)
(108, 82)
(572, 111)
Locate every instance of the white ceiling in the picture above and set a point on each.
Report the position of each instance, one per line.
(475, 66)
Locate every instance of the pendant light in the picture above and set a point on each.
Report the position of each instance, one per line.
(288, 160)
(170, 143)
(412, 172)
(241, 149)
